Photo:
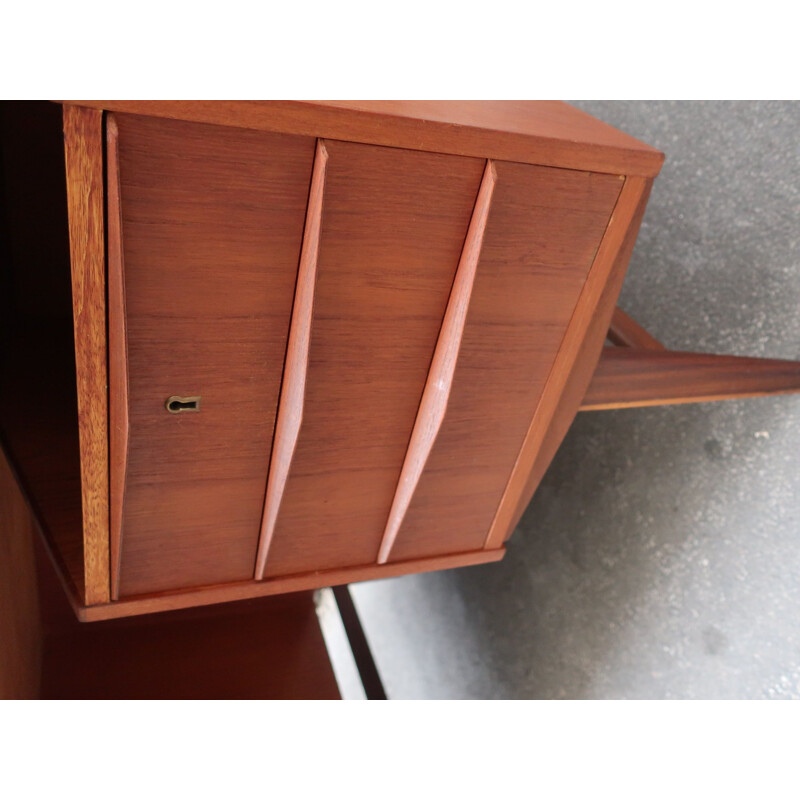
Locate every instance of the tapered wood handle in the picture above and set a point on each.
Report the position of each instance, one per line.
(290, 407)
(117, 354)
(433, 405)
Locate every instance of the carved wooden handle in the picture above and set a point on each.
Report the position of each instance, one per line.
(290, 407)
(117, 356)
(433, 405)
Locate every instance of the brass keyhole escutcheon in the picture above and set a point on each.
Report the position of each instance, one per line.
(177, 404)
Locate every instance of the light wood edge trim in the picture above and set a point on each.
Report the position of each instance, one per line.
(613, 238)
(436, 393)
(676, 401)
(117, 354)
(83, 150)
(247, 590)
(293, 388)
(625, 331)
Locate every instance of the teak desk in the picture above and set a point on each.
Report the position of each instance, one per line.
(254, 348)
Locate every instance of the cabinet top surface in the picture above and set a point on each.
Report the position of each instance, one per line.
(546, 132)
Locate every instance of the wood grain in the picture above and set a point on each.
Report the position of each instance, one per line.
(290, 407)
(627, 332)
(393, 227)
(547, 132)
(436, 394)
(263, 649)
(631, 377)
(117, 355)
(20, 624)
(584, 366)
(543, 231)
(83, 152)
(568, 353)
(148, 604)
(212, 223)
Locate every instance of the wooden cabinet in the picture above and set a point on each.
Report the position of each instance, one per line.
(365, 314)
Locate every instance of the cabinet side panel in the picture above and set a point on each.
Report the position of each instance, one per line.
(621, 231)
(212, 221)
(543, 231)
(584, 367)
(393, 226)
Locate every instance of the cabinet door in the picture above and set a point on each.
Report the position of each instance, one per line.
(393, 225)
(211, 221)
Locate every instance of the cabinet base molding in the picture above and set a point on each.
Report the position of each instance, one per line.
(246, 590)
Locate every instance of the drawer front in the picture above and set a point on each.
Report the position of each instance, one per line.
(211, 223)
(392, 227)
(543, 230)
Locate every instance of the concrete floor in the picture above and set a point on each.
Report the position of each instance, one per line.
(660, 557)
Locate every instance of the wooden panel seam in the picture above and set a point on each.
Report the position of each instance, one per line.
(117, 355)
(618, 224)
(436, 393)
(290, 405)
(83, 151)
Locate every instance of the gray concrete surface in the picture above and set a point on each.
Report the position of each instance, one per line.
(660, 557)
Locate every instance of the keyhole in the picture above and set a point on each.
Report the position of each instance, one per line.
(176, 404)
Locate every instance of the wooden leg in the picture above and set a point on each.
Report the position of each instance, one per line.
(359, 646)
(627, 332)
(627, 377)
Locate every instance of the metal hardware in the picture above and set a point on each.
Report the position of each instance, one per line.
(176, 404)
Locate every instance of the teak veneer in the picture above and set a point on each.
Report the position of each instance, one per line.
(288, 345)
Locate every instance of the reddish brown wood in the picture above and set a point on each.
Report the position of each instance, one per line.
(440, 376)
(38, 396)
(117, 355)
(546, 132)
(270, 649)
(629, 378)
(148, 604)
(544, 228)
(43, 449)
(568, 354)
(212, 223)
(290, 409)
(393, 226)
(626, 332)
(584, 365)
(205, 230)
(83, 149)
(20, 624)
